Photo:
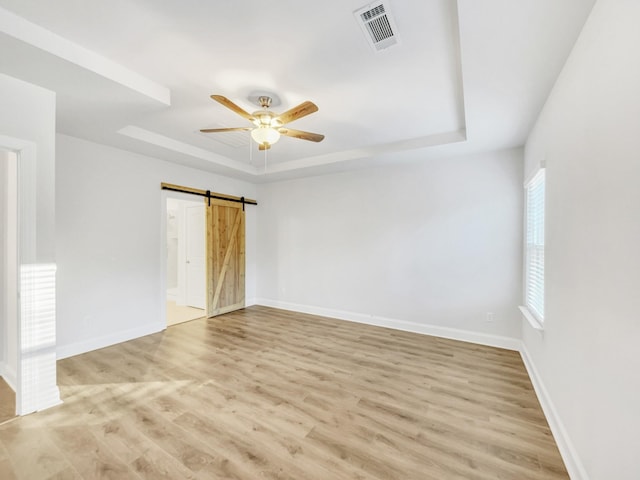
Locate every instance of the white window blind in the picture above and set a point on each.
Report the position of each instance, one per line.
(534, 262)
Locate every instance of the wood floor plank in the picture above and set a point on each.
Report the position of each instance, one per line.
(101, 464)
(7, 401)
(6, 470)
(69, 473)
(264, 393)
(148, 460)
(32, 454)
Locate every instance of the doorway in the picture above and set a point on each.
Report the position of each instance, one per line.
(29, 286)
(221, 242)
(8, 284)
(185, 261)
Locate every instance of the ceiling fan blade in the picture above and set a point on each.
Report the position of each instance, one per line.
(312, 137)
(232, 106)
(215, 130)
(295, 113)
(264, 146)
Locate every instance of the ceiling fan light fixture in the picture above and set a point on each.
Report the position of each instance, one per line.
(269, 126)
(265, 135)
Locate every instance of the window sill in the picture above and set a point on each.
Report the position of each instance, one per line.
(533, 321)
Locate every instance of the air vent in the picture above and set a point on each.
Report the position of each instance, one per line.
(378, 25)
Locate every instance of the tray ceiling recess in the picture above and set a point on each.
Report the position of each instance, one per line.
(448, 77)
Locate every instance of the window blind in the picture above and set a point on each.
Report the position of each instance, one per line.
(534, 275)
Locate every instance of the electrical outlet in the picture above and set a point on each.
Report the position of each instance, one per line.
(489, 317)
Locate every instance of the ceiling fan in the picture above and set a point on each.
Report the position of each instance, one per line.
(268, 125)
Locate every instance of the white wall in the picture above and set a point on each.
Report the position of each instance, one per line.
(587, 361)
(4, 157)
(110, 216)
(28, 113)
(9, 268)
(27, 125)
(425, 247)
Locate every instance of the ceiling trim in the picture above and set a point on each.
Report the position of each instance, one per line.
(168, 143)
(364, 152)
(43, 39)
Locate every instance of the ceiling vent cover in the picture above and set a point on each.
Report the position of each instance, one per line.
(378, 25)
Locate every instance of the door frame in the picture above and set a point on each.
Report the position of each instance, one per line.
(164, 195)
(9, 374)
(162, 284)
(36, 357)
(187, 235)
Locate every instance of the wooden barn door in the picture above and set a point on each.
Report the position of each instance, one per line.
(225, 257)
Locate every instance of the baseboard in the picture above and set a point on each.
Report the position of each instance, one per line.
(64, 351)
(10, 376)
(565, 446)
(46, 398)
(433, 330)
(568, 452)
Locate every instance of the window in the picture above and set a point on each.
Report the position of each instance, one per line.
(534, 255)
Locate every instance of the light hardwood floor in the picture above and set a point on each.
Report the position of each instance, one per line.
(181, 313)
(266, 394)
(7, 402)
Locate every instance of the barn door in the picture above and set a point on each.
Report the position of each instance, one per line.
(225, 257)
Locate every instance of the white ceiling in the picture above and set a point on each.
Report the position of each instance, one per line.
(466, 76)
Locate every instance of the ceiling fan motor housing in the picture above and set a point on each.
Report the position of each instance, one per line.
(265, 101)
